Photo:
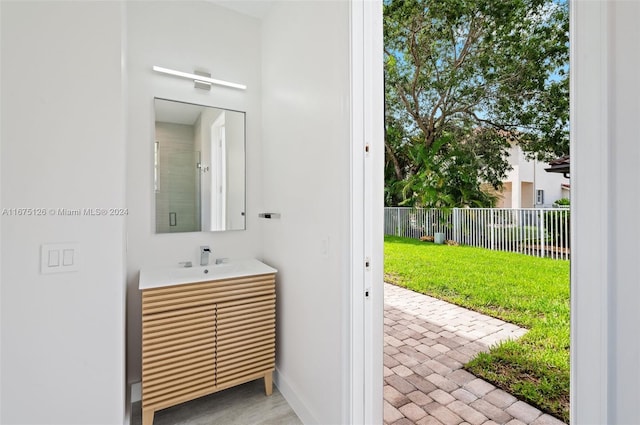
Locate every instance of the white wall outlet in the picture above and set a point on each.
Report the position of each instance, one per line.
(59, 257)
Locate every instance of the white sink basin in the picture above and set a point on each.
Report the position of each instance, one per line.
(154, 277)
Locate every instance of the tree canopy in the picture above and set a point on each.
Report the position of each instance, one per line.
(463, 80)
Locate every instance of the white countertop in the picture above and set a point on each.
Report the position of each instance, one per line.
(156, 277)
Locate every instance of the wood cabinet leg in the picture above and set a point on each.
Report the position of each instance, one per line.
(147, 416)
(268, 383)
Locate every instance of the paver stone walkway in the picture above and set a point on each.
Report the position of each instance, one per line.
(426, 343)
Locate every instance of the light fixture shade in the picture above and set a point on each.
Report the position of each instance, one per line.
(197, 78)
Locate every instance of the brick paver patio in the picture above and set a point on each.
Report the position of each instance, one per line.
(426, 343)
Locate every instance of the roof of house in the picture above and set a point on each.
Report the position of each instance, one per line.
(560, 165)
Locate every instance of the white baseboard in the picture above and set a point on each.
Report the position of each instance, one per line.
(294, 399)
(136, 392)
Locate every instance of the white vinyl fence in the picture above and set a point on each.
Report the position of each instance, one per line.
(543, 232)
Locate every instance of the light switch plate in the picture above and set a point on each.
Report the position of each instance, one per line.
(59, 257)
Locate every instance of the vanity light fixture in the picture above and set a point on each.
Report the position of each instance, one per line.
(203, 81)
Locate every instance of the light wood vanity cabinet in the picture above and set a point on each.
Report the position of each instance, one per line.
(199, 338)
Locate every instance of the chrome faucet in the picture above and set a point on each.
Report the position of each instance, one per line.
(204, 255)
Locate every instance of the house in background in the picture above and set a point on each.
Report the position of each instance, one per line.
(561, 165)
(528, 185)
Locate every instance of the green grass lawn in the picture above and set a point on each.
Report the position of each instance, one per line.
(529, 291)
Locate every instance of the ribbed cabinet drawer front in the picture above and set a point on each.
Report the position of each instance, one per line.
(245, 338)
(195, 294)
(185, 329)
(178, 354)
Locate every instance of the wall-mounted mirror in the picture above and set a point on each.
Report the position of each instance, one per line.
(199, 168)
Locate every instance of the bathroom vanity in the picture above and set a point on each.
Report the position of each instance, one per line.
(205, 329)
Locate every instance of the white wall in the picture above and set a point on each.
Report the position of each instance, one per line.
(306, 134)
(605, 255)
(185, 35)
(62, 146)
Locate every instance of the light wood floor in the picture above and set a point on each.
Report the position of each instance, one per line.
(242, 405)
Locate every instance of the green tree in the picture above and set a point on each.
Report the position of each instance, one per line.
(451, 171)
(463, 79)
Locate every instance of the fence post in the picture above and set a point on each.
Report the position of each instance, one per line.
(493, 229)
(456, 224)
(427, 224)
(542, 232)
(397, 221)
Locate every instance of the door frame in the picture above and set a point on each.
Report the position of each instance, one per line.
(367, 190)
